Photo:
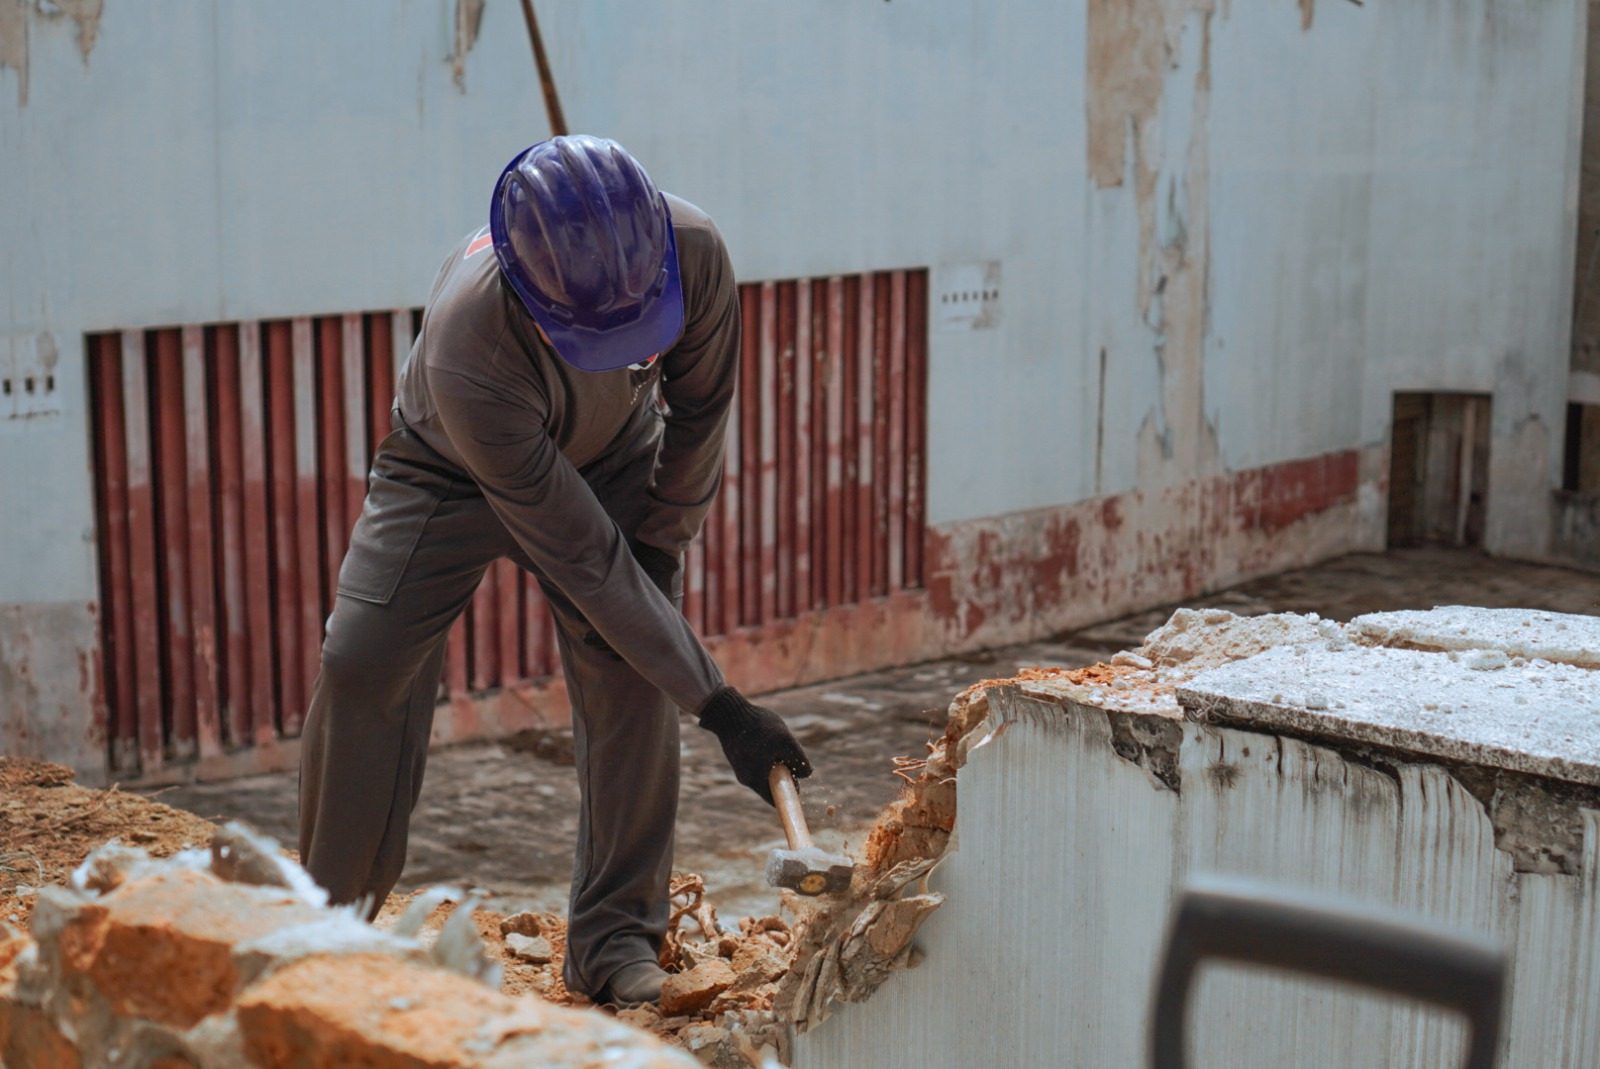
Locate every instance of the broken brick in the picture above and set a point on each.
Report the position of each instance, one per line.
(180, 926)
(367, 1010)
(524, 923)
(686, 992)
(758, 962)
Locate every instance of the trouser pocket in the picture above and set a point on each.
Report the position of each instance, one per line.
(391, 523)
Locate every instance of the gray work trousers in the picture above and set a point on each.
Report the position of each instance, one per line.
(425, 538)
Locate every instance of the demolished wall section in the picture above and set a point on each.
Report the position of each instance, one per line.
(1059, 870)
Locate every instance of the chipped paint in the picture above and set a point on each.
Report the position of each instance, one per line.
(468, 20)
(14, 43)
(1014, 577)
(49, 671)
(1148, 99)
(14, 32)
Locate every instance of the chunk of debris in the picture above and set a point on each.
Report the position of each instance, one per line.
(686, 992)
(534, 949)
(240, 854)
(252, 974)
(524, 923)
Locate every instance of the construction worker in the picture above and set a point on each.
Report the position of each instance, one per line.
(526, 425)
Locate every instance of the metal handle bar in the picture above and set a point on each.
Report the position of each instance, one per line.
(1257, 924)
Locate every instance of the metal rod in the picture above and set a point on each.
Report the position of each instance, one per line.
(547, 81)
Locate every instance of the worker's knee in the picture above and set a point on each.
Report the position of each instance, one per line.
(359, 657)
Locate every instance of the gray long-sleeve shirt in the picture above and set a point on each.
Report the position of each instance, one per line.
(485, 392)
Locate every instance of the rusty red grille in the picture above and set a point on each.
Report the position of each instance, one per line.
(231, 462)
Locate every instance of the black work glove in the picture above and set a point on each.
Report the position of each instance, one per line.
(662, 569)
(753, 739)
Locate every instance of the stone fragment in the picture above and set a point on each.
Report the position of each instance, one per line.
(757, 962)
(110, 866)
(534, 949)
(539, 1034)
(686, 992)
(460, 946)
(178, 929)
(646, 1017)
(333, 1011)
(374, 1012)
(524, 923)
(710, 1044)
(240, 854)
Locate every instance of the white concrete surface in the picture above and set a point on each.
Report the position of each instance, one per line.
(1568, 638)
(1475, 706)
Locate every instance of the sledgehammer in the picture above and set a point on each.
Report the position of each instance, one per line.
(802, 867)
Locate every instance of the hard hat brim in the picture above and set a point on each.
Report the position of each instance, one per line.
(588, 346)
(657, 328)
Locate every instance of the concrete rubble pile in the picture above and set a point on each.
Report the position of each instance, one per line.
(230, 958)
(718, 1002)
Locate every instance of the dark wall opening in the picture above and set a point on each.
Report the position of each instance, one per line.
(1439, 469)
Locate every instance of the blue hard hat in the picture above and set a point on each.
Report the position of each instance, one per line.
(585, 240)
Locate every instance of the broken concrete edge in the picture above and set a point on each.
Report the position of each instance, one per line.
(148, 962)
(850, 947)
(852, 944)
(1482, 706)
(1561, 638)
(1417, 744)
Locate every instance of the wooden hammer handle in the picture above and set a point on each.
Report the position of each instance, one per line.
(787, 798)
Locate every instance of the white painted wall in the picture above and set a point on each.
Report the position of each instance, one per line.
(1068, 858)
(1384, 200)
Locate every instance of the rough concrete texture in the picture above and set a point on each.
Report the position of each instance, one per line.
(147, 964)
(1476, 707)
(1566, 638)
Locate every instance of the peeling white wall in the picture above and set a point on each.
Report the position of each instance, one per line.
(1066, 865)
(1303, 217)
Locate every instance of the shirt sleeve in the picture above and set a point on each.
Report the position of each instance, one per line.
(699, 383)
(567, 534)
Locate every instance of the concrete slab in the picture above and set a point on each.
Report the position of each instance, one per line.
(1567, 638)
(1479, 707)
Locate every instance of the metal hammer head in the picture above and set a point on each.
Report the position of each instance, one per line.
(809, 871)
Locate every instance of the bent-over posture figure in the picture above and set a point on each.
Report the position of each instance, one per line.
(527, 425)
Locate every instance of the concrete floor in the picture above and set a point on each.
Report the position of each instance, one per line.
(502, 816)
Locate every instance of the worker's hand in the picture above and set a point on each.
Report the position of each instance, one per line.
(754, 739)
(661, 568)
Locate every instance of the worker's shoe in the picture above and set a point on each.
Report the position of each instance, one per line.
(633, 985)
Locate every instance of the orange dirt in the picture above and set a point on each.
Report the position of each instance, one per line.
(48, 825)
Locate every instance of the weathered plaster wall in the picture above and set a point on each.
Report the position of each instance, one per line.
(1586, 288)
(1225, 233)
